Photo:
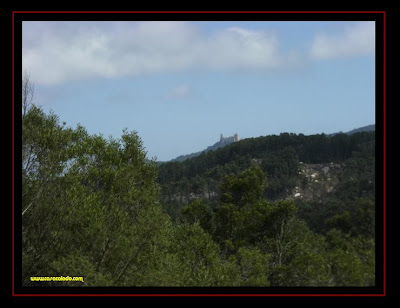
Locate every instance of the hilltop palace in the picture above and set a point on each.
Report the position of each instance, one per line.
(233, 138)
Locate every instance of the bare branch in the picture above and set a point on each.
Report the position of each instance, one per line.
(27, 93)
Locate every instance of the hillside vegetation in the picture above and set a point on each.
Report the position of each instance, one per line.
(259, 212)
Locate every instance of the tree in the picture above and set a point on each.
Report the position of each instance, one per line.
(364, 219)
(246, 188)
(47, 147)
(281, 218)
(228, 228)
(197, 211)
(91, 207)
(303, 262)
(351, 261)
(253, 266)
(194, 259)
(86, 198)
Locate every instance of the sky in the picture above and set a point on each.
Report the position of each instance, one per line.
(181, 84)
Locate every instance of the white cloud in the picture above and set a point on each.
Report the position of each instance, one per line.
(356, 40)
(57, 52)
(237, 48)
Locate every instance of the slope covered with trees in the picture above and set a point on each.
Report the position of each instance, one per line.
(96, 208)
(280, 158)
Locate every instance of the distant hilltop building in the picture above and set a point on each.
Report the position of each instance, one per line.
(231, 139)
(220, 144)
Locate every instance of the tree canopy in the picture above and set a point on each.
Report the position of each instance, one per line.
(97, 208)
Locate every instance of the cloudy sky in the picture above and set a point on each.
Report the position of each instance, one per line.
(181, 84)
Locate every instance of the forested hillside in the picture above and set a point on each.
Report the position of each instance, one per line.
(290, 163)
(249, 214)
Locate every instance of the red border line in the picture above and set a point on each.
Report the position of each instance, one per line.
(384, 153)
(13, 153)
(205, 295)
(200, 12)
(209, 295)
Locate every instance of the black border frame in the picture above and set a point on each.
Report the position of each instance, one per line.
(380, 92)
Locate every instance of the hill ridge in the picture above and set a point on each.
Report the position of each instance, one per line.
(224, 141)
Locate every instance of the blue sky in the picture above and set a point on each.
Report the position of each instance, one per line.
(181, 84)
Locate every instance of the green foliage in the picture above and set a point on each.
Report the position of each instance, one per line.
(278, 157)
(86, 198)
(197, 211)
(77, 265)
(350, 260)
(254, 267)
(91, 207)
(303, 261)
(360, 220)
(228, 230)
(340, 221)
(364, 219)
(282, 170)
(199, 258)
(244, 189)
(354, 218)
